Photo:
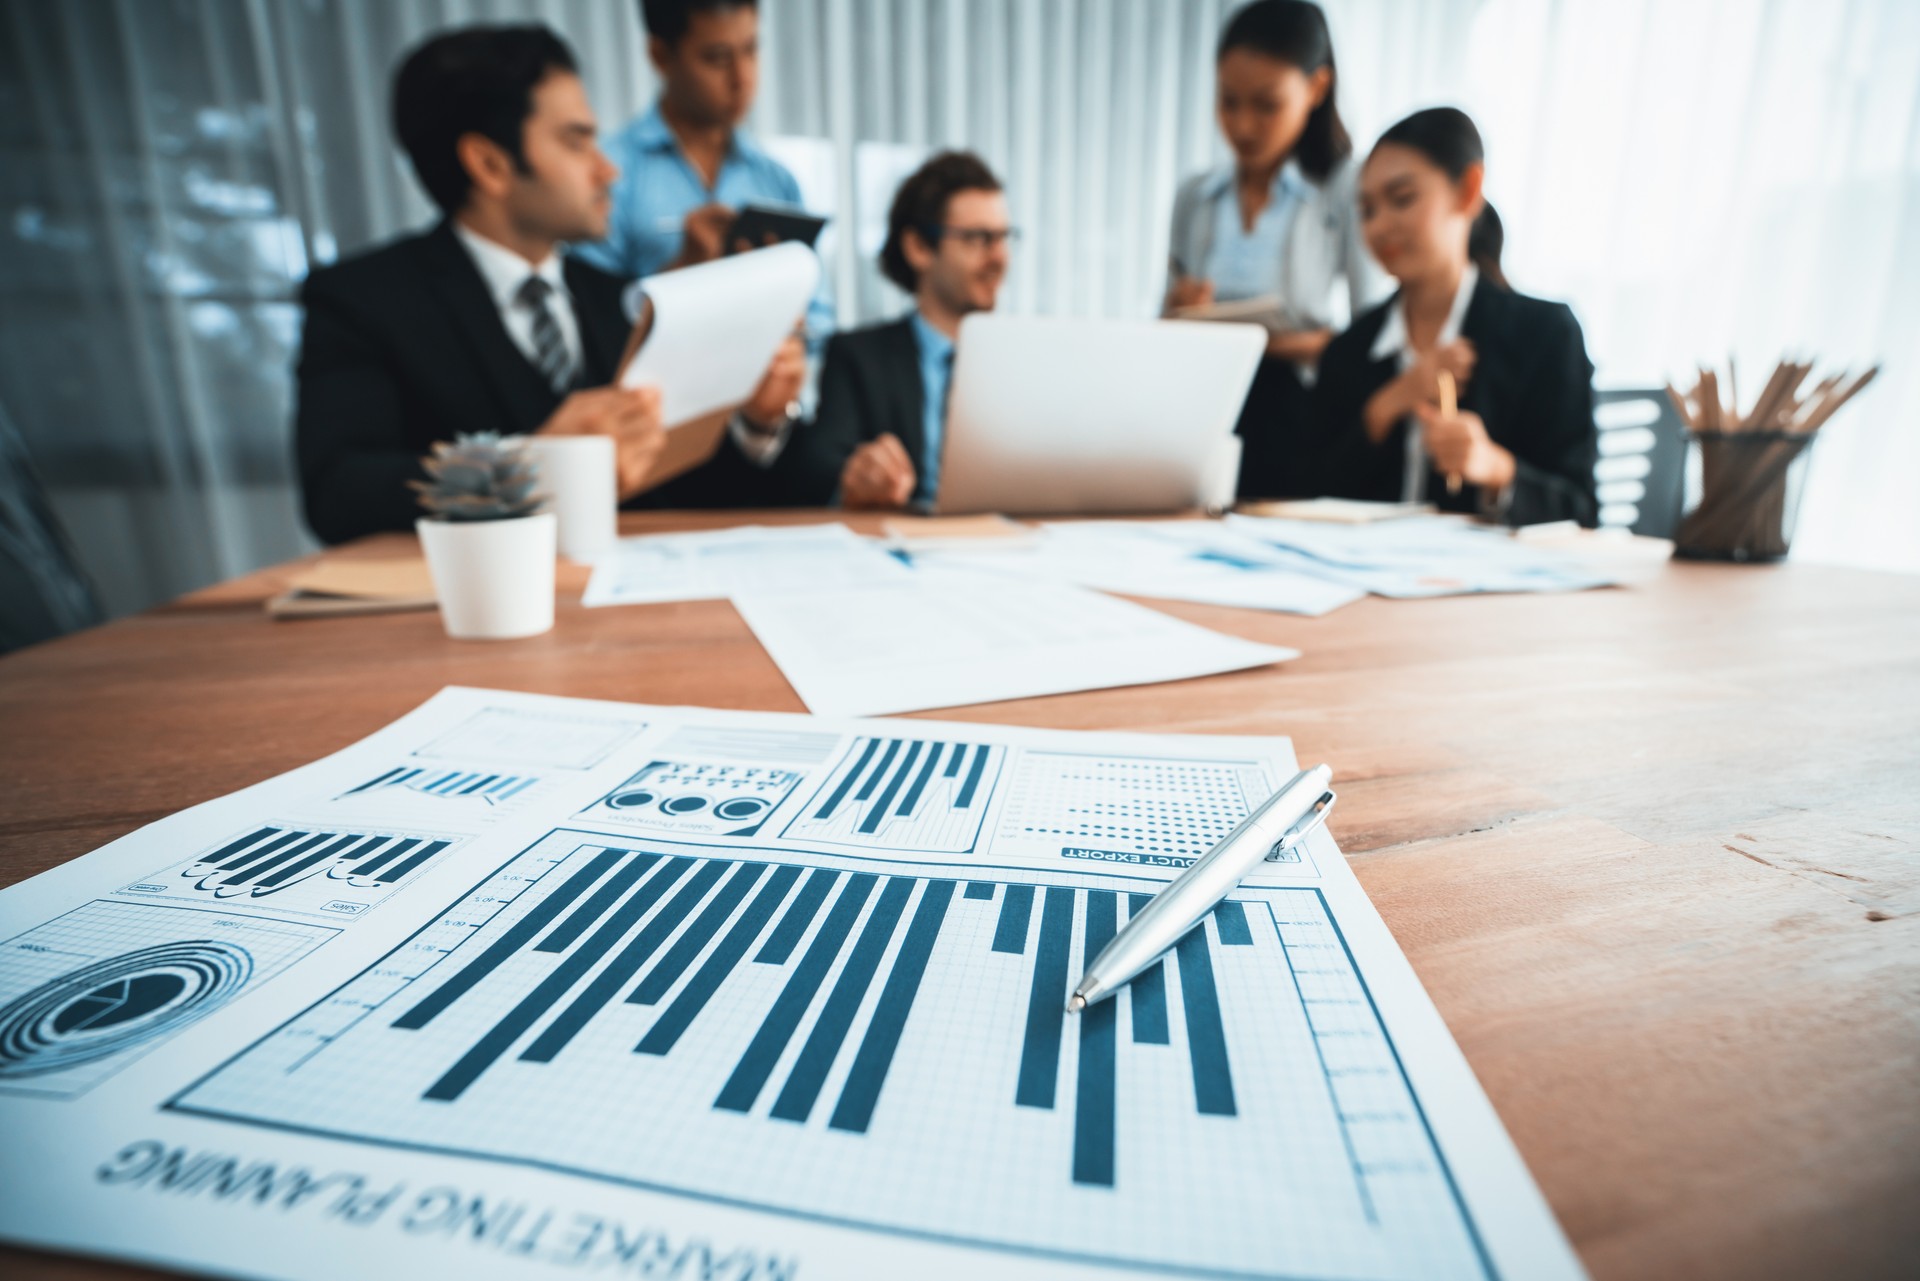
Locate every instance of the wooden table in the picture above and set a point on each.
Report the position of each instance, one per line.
(1655, 852)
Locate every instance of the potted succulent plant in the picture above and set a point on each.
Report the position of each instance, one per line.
(490, 552)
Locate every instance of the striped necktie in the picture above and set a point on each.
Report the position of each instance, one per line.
(550, 354)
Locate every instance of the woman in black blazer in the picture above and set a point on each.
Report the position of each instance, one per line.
(1520, 445)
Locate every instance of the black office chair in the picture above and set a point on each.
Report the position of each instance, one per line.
(43, 594)
(1641, 472)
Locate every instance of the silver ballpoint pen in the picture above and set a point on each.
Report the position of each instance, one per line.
(1285, 819)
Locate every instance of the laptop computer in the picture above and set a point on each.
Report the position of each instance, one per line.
(1062, 416)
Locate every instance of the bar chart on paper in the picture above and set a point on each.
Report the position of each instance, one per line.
(298, 867)
(885, 1045)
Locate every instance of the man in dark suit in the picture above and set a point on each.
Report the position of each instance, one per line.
(480, 324)
(883, 390)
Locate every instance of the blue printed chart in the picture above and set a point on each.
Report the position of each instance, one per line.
(88, 992)
(886, 1046)
(924, 795)
(1106, 808)
(315, 869)
(693, 798)
(459, 787)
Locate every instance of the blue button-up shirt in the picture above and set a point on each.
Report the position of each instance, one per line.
(658, 187)
(1247, 264)
(936, 371)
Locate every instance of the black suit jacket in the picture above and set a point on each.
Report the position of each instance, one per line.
(404, 347)
(869, 384)
(1532, 385)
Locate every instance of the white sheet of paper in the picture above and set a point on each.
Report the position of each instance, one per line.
(947, 637)
(732, 995)
(1199, 561)
(1422, 556)
(717, 564)
(717, 325)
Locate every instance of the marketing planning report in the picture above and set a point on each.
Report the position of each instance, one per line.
(781, 994)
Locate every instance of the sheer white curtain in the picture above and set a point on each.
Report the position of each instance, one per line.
(1694, 176)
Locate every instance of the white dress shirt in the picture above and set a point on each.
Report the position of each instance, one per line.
(504, 272)
(1393, 341)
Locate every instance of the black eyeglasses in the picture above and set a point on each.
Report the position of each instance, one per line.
(973, 237)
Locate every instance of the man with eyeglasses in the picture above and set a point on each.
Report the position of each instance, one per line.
(883, 390)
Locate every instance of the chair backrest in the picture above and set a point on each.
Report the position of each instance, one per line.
(1641, 470)
(43, 594)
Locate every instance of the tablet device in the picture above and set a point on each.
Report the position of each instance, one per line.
(1049, 415)
(755, 223)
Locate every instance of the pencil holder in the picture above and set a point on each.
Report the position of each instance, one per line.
(1748, 488)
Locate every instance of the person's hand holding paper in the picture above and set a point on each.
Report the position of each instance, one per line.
(779, 386)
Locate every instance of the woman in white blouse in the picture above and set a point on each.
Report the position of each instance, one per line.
(1278, 224)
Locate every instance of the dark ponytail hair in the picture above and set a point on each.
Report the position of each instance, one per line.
(1295, 32)
(1447, 137)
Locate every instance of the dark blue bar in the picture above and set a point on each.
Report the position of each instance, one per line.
(1148, 992)
(278, 843)
(1206, 1038)
(1046, 1002)
(1230, 919)
(920, 783)
(443, 780)
(476, 785)
(980, 890)
(1094, 1100)
(399, 870)
(854, 1111)
(510, 941)
(756, 1065)
(973, 778)
(258, 866)
(384, 857)
(802, 1090)
(606, 984)
(294, 869)
(846, 784)
(786, 936)
(873, 779)
(1016, 909)
(706, 980)
(550, 989)
(561, 937)
(954, 757)
(879, 810)
(375, 782)
(697, 936)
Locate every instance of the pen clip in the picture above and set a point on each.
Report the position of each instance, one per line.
(1306, 826)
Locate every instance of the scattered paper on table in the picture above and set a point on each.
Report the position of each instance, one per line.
(717, 564)
(949, 637)
(1421, 556)
(1199, 561)
(526, 987)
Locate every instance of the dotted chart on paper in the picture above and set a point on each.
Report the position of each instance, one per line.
(1142, 805)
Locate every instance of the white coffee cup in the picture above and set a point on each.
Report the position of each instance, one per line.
(577, 475)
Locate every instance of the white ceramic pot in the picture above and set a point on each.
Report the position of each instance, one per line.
(494, 577)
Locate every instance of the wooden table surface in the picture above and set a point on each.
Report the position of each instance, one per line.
(1654, 851)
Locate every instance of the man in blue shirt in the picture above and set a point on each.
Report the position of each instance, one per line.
(883, 390)
(686, 166)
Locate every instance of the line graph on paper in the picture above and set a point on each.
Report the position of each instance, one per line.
(887, 1046)
(322, 869)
